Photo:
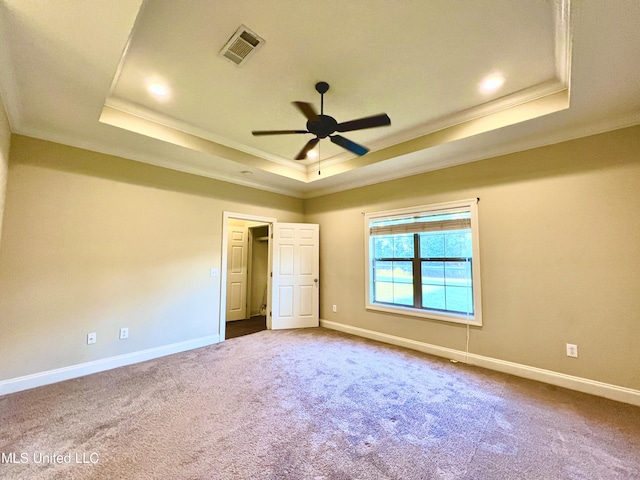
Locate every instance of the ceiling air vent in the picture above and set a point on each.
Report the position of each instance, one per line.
(241, 45)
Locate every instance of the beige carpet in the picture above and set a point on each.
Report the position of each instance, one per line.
(313, 404)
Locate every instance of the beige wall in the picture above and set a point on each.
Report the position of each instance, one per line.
(93, 243)
(5, 138)
(560, 252)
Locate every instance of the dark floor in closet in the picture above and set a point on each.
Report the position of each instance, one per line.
(239, 328)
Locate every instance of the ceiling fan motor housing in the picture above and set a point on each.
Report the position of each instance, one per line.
(323, 127)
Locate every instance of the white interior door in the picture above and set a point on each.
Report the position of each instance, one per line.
(296, 275)
(237, 247)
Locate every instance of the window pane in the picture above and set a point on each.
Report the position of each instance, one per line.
(433, 273)
(433, 297)
(383, 271)
(403, 294)
(458, 273)
(383, 281)
(459, 299)
(393, 282)
(403, 246)
(447, 286)
(433, 294)
(458, 244)
(402, 272)
(431, 245)
(402, 283)
(383, 292)
(383, 246)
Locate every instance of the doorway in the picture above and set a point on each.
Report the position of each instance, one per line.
(245, 281)
(293, 267)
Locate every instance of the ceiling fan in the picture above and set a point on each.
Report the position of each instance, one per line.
(323, 126)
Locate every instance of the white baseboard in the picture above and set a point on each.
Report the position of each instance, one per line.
(606, 390)
(59, 374)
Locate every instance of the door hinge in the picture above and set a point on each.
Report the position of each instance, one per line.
(270, 314)
(271, 274)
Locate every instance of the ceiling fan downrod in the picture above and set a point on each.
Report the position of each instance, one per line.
(322, 88)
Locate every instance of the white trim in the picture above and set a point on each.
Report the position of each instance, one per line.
(445, 207)
(429, 314)
(74, 371)
(584, 385)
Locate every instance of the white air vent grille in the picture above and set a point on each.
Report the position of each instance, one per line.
(241, 45)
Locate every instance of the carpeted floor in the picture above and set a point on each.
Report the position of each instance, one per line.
(313, 404)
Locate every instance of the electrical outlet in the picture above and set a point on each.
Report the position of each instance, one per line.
(572, 350)
(124, 333)
(335, 308)
(91, 338)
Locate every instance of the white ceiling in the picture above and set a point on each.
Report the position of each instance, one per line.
(77, 72)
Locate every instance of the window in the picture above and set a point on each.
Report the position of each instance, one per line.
(424, 261)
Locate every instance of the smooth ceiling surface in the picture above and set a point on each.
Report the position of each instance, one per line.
(78, 72)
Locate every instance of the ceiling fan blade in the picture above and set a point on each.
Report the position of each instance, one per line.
(307, 110)
(310, 144)
(349, 145)
(276, 132)
(367, 122)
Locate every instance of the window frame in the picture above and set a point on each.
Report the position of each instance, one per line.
(468, 205)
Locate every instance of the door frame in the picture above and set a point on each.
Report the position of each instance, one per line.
(226, 216)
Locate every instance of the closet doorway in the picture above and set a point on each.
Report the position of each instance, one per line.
(292, 275)
(246, 274)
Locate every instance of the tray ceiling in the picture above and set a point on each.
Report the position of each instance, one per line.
(80, 73)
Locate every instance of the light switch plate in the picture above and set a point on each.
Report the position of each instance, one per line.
(572, 350)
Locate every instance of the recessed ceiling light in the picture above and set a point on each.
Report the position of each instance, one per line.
(312, 154)
(158, 89)
(247, 173)
(492, 83)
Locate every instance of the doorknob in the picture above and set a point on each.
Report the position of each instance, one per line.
(315, 280)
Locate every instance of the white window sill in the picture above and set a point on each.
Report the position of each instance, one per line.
(428, 314)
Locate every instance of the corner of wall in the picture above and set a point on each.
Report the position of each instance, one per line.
(5, 139)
